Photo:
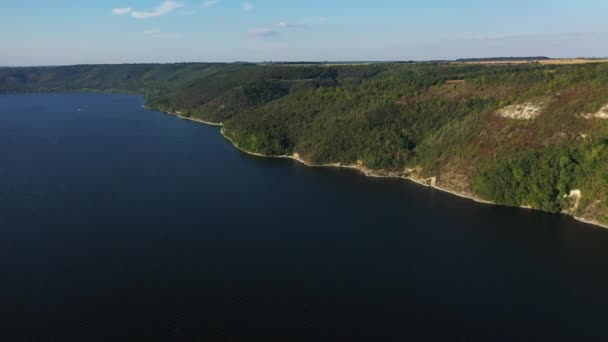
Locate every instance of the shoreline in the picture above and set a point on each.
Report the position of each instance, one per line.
(368, 172)
(365, 171)
(179, 115)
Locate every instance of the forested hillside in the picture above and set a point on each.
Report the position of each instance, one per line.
(523, 135)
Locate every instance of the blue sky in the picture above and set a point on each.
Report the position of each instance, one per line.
(42, 32)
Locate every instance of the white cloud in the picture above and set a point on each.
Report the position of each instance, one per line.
(164, 8)
(528, 36)
(247, 7)
(288, 25)
(209, 3)
(156, 33)
(121, 11)
(262, 32)
(273, 29)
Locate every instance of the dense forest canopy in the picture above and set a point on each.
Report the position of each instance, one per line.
(424, 120)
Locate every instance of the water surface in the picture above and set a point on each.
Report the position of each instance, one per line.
(119, 223)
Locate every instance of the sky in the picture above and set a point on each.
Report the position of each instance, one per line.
(60, 32)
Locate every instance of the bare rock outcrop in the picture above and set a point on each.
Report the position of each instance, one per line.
(528, 110)
(600, 114)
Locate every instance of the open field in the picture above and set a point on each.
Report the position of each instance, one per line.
(563, 61)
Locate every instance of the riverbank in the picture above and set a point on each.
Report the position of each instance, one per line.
(181, 116)
(365, 171)
(369, 172)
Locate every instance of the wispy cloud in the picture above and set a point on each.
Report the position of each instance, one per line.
(247, 7)
(288, 25)
(121, 11)
(156, 33)
(273, 29)
(528, 36)
(163, 8)
(209, 3)
(262, 32)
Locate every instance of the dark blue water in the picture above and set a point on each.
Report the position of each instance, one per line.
(123, 224)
